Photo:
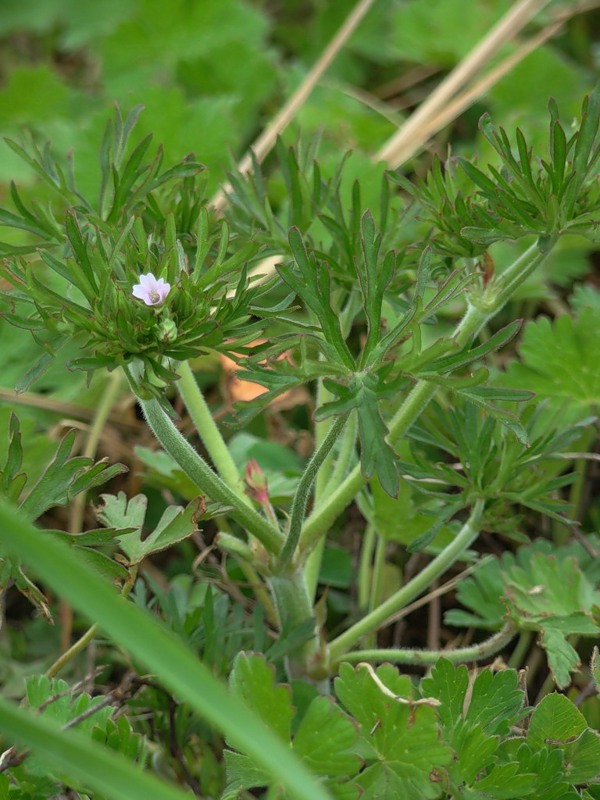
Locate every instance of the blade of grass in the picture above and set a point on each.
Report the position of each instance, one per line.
(158, 649)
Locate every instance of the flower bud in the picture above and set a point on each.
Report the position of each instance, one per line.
(256, 482)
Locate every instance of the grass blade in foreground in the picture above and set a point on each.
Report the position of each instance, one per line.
(157, 648)
(75, 754)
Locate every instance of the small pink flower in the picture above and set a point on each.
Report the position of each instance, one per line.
(151, 290)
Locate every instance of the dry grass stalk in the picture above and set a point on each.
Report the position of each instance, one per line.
(410, 137)
(263, 145)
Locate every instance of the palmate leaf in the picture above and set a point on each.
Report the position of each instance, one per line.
(480, 719)
(324, 739)
(55, 699)
(549, 590)
(400, 741)
(558, 362)
(161, 651)
(555, 598)
(60, 480)
(482, 592)
(557, 723)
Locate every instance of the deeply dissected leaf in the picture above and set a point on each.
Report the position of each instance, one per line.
(64, 477)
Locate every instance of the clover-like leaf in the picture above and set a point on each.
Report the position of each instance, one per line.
(175, 525)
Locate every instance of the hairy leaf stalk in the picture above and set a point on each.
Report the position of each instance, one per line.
(376, 618)
(207, 481)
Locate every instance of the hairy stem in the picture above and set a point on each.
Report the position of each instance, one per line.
(304, 487)
(312, 567)
(478, 313)
(378, 617)
(459, 655)
(203, 476)
(365, 567)
(294, 607)
(208, 431)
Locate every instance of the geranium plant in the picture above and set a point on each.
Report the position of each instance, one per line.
(408, 423)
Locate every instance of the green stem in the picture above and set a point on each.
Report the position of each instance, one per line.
(323, 517)
(377, 574)
(521, 650)
(580, 468)
(312, 568)
(303, 490)
(294, 607)
(203, 476)
(376, 585)
(346, 454)
(376, 618)
(70, 654)
(365, 567)
(495, 296)
(207, 430)
(460, 655)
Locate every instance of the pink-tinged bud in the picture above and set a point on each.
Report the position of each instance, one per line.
(256, 482)
(153, 291)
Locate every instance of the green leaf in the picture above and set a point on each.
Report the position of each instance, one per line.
(63, 477)
(481, 593)
(468, 356)
(376, 455)
(505, 782)
(558, 363)
(163, 471)
(493, 701)
(326, 738)
(400, 741)
(553, 596)
(242, 773)
(175, 525)
(73, 753)
(254, 680)
(558, 723)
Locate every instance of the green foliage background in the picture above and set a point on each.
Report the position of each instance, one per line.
(210, 74)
